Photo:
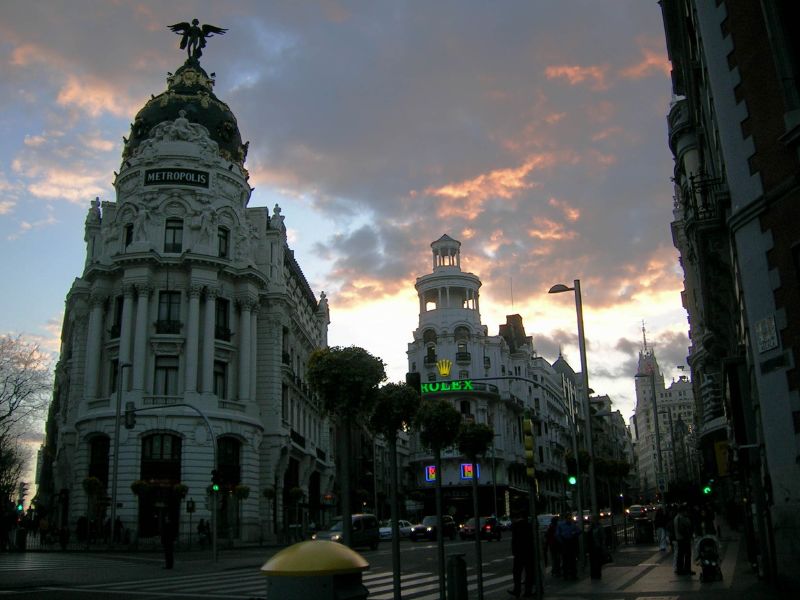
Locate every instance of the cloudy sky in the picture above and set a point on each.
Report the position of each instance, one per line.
(534, 132)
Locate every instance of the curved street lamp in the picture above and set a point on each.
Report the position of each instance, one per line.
(558, 289)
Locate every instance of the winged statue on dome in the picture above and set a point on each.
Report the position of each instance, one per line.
(194, 36)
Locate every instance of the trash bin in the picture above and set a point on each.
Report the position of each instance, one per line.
(643, 531)
(456, 577)
(316, 569)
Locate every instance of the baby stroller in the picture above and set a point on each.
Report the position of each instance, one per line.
(707, 552)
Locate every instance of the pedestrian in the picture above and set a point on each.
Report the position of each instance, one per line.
(683, 537)
(552, 546)
(597, 548)
(202, 532)
(567, 534)
(660, 523)
(168, 540)
(522, 551)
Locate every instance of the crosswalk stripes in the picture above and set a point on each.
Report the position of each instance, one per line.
(248, 584)
(34, 561)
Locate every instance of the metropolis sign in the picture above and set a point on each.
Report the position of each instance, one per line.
(447, 386)
(176, 176)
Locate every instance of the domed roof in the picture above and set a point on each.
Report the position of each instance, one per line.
(190, 90)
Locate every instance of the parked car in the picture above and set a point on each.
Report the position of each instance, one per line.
(365, 531)
(403, 526)
(489, 529)
(605, 513)
(428, 529)
(636, 511)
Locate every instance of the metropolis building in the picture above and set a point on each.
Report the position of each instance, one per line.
(191, 310)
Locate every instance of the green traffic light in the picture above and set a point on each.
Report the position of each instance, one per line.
(707, 490)
(572, 480)
(215, 487)
(20, 507)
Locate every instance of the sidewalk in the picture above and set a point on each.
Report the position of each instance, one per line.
(642, 570)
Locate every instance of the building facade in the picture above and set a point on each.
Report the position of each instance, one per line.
(452, 345)
(193, 316)
(675, 438)
(734, 130)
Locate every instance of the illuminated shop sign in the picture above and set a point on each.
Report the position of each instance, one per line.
(447, 386)
(468, 471)
(176, 177)
(430, 473)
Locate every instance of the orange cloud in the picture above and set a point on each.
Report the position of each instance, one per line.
(70, 184)
(652, 61)
(6, 206)
(571, 213)
(546, 229)
(500, 183)
(95, 97)
(595, 76)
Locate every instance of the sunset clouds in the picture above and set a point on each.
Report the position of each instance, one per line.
(533, 132)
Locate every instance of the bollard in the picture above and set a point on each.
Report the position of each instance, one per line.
(316, 569)
(456, 577)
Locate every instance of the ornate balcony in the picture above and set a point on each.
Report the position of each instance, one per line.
(170, 327)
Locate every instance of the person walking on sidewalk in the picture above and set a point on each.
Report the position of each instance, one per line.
(567, 535)
(597, 548)
(660, 523)
(522, 551)
(683, 536)
(551, 545)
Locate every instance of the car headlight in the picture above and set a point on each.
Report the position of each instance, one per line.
(313, 536)
(429, 529)
(336, 538)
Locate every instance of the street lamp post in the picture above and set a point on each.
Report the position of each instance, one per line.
(115, 468)
(557, 289)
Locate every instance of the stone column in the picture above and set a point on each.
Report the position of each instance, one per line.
(94, 340)
(246, 305)
(192, 337)
(253, 349)
(140, 339)
(125, 333)
(209, 326)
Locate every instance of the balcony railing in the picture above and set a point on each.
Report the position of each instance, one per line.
(321, 454)
(297, 438)
(463, 357)
(173, 327)
(430, 360)
(161, 400)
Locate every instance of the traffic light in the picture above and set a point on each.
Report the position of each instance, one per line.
(130, 415)
(708, 488)
(572, 480)
(214, 480)
(529, 442)
(414, 381)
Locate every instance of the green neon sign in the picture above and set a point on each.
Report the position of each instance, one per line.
(447, 386)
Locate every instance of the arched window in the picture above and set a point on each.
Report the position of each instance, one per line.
(161, 457)
(229, 451)
(98, 458)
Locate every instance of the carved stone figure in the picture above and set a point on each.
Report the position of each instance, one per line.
(194, 36)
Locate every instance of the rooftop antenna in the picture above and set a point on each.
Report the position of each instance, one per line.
(644, 337)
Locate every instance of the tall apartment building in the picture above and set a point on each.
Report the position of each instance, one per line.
(192, 310)
(734, 130)
(452, 345)
(675, 435)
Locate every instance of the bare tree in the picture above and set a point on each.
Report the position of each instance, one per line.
(25, 384)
